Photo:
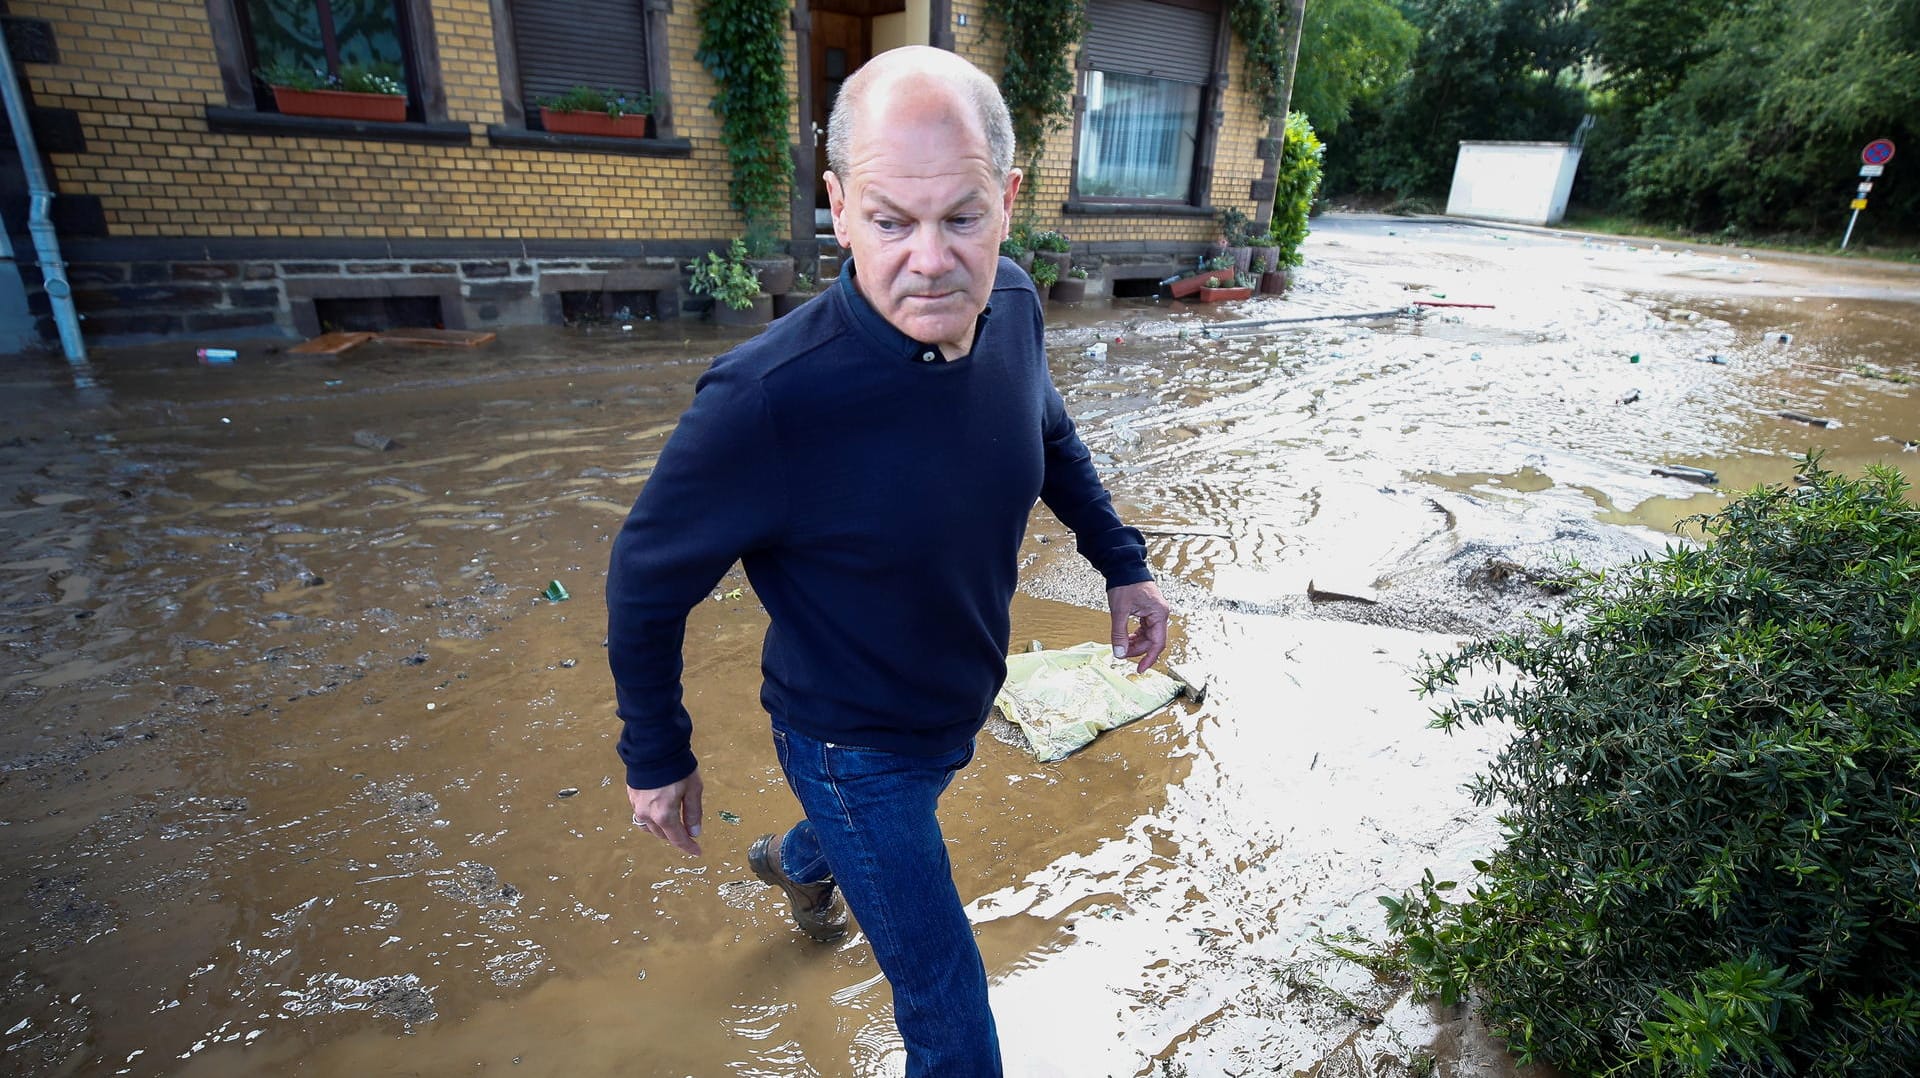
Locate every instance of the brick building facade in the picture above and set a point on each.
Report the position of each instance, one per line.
(187, 205)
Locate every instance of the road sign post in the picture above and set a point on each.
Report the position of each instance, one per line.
(1873, 162)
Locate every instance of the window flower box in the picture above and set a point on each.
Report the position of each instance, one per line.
(340, 104)
(629, 125)
(1189, 286)
(1221, 295)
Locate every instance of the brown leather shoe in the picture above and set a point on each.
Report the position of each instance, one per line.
(815, 908)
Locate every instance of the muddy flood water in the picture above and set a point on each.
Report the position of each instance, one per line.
(301, 773)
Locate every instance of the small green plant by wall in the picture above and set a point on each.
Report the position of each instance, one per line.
(743, 45)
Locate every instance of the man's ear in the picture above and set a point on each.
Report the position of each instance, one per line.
(1008, 197)
(837, 205)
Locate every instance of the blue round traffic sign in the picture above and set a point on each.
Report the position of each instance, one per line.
(1878, 152)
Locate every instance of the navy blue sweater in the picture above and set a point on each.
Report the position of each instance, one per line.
(877, 498)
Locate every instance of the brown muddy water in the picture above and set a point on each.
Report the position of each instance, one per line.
(299, 773)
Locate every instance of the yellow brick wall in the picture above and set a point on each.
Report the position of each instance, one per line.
(1234, 165)
(140, 73)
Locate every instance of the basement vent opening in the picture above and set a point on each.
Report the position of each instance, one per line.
(378, 314)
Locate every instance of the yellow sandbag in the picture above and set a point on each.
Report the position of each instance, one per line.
(1063, 699)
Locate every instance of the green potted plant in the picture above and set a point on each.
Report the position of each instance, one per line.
(774, 266)
(1265, 249)
(737, 298)
(609, 113)
(358, 92)
(1226, 286)
(804, 288)
(1054, 247)
(1072, 288)
(1191, 284)
(1044, 275)
(1236, 229)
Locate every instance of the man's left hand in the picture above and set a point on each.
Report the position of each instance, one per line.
(1140, 601)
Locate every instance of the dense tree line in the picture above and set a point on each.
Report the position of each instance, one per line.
(1733, 116)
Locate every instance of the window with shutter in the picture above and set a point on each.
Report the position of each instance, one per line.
(560, 44)
(1147, 68)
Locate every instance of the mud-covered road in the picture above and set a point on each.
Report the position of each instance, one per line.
(300, 773)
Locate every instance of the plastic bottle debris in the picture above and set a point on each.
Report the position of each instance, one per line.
(555, 592)
(568, 792)
(1810, 420)
(217, 356)
(1716, 359)
(1783, 338)
(1635, 358)
(1682, 471)
(1628, 397)
(1097, 350)
(730, 817)
(373, 440)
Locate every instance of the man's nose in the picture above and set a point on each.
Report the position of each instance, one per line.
(930, 255)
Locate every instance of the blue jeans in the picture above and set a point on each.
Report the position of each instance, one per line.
(871, 826)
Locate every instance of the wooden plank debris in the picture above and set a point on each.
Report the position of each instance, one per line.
(454, 338)
(330, 344)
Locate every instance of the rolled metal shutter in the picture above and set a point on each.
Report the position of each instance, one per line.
(560, 44)
(1140, 37)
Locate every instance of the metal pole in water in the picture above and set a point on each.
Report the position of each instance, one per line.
(53, 271)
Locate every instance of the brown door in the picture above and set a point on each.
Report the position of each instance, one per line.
(841, 43)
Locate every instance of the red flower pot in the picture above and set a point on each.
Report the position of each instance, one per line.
(597, 123)
(1220, 295)
(1187, 286)
(340, 105)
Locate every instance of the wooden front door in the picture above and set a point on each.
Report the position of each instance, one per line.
(841, 43)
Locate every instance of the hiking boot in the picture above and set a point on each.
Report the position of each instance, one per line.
(814, 907)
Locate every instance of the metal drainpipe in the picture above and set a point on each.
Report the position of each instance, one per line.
(46, 245)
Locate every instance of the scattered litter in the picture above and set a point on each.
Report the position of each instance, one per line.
(224, 419)
(1635, 358)
(1061, 700)
(555, 592)
(568, 664)
(1716, 359)
(1097, 350)
(729, 817)
(1628, 397)
(1783, 338)
(1810, 420)
(331, 382)
(1682, 471)
(330, 344)
(217, 356)
(380, 443)
(1435, 303)
(568, 792)
(454, 338)
(1349, 593)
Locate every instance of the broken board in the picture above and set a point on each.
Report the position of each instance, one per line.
(455, 338)
(330, 344)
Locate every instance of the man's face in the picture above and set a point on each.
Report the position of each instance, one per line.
(924, 212)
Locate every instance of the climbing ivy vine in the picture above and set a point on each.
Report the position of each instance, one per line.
(743, 45)
(1261, 26)
(1037, 81)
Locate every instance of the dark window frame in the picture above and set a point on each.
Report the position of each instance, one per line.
(1212, 116)
(659, 83)
(426, 94)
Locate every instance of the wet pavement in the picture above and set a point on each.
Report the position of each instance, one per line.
(300, 772)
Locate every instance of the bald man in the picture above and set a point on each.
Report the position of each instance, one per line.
(872, 459)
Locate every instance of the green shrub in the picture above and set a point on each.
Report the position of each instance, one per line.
(1711, 804)
(1298, 181)
(1050, 240)
(728, 279)
(1045, 273)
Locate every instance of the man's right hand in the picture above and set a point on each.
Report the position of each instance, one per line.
(670, 812)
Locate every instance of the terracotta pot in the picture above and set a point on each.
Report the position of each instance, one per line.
(1187, 286)
(1069, 290)
(788, 302)
(1061, 260)
(1273, 283)
(757, 315)
(775, 273)
(340, 105)
(1220, 295)
(1242, 258)
(596, 123)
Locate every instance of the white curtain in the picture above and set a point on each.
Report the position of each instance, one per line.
(1137, 137)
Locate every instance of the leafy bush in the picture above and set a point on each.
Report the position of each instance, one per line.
(1045, 273)
(610, 101)
(1711, 804)
(1236, 226)
(1294, 188)
(728, 280)
(1050, 240)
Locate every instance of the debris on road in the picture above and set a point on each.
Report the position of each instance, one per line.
(1345, 592)
(1061, 700)
(453, 338)
(1810, 420)
(1628, 397)
(330, 344)
(377, 442)
(217, 357)
(1683, 471)
(555, 592)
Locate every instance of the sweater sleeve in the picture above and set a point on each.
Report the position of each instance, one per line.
(1072, 489)
(713, 496)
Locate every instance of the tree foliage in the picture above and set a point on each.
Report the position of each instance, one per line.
(1295, 186)
(1711, 804)
(1351, 51)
